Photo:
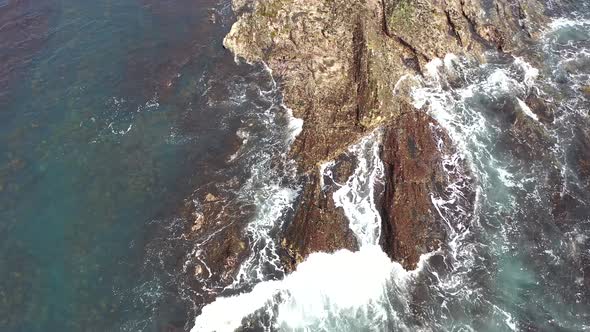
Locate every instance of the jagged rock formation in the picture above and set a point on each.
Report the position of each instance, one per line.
(318, 225)
(340, 64)
(214, 234)
(413, 171)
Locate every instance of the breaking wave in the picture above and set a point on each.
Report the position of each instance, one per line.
(329, 292)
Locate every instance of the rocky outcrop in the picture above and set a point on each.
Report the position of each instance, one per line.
(413, 169)
(342, 66)
(582, 156)
(318, 225)
(215, 233)
(434, 28)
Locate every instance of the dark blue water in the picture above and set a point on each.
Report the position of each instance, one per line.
(111, 113)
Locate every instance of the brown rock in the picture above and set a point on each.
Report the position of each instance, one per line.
(210, 197)
(337, 67)
(524, 136)
(318, 226)
(339, 61)
(413, 170)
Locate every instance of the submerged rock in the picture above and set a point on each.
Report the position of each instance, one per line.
(542, 108)
(215, 228)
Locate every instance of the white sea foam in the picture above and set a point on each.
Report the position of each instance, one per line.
(266, 135)
(505, 177)
(295, 125)
(526, 110)
(458, 112)
(338, 291)
(330, 291)
(325, 170)
(563, 22)
(271, 203)
(357, 196)
(530, 73)
(324, 287)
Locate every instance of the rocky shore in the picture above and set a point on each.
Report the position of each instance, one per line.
(346, 68)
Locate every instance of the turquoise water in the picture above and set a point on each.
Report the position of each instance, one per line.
(104, 130)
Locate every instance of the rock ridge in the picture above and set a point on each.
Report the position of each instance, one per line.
(347, 67)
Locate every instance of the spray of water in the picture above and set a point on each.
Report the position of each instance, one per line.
(330, 292)
(357, 196)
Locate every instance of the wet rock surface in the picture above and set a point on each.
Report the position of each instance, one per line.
(220, 251)
(413, 169)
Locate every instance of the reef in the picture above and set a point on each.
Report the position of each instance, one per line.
(347, 68)
(344, 68)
